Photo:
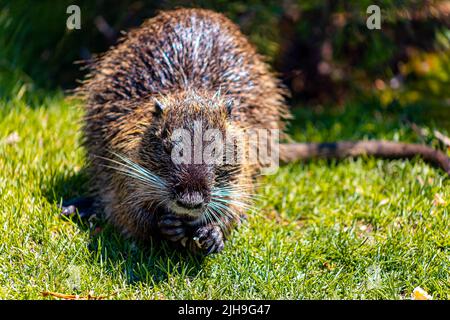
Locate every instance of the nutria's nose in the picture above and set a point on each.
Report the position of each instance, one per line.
(190, 200)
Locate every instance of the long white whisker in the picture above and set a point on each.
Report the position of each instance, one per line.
(218, 220)
(155, 187)
(134, 168)
(228, 213)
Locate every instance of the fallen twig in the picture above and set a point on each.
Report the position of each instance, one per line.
(376, 148)
(90, 296)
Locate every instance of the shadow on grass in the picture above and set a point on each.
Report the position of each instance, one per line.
(150, 262)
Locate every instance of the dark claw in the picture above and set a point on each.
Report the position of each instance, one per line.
(68, 211)
(207, 240)
(82, 206)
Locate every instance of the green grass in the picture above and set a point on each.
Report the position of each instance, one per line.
(363, 229)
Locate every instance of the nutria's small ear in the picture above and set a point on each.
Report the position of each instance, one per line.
(229, 105)
(159, 107)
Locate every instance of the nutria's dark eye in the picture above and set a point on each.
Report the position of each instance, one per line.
(168, 148)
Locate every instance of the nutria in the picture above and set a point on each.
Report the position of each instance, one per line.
(180, 69)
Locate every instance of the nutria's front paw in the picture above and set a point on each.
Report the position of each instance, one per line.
(83, 206)
(172, 227)
(207, 239)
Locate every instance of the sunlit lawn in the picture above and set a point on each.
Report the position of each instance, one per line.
(361, 228)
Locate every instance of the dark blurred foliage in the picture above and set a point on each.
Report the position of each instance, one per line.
(322, 49)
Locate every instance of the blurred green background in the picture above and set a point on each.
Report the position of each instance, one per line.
(322, 49)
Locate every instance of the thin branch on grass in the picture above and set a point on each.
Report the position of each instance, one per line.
(376, 148)
(73, 296)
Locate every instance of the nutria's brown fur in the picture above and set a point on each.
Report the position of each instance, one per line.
(179, 67)
(188, 58)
